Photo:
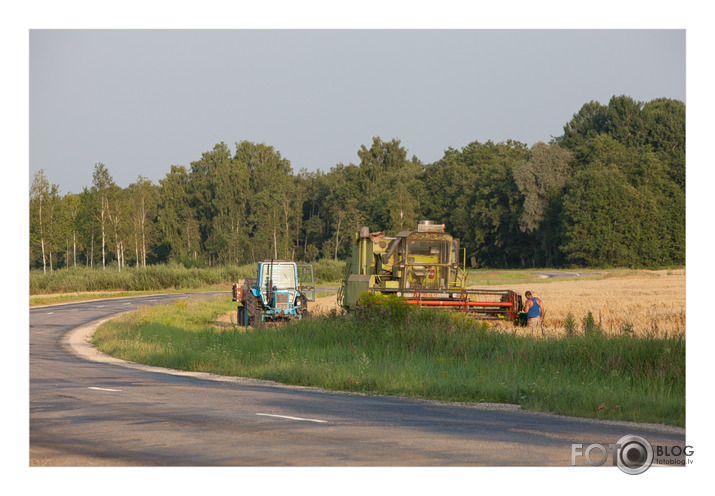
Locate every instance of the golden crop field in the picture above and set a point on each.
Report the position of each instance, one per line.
(650, 302)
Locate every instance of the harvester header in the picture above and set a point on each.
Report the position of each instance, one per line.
(423, 267)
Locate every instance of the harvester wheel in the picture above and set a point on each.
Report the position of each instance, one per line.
(240, 316)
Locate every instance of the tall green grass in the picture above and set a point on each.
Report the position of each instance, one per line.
(395, 349)
(158, 277)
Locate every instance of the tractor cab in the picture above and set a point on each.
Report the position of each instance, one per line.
(277, 284)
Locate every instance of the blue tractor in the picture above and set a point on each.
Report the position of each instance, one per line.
(281, 291)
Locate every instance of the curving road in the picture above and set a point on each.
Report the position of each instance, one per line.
(87, 409)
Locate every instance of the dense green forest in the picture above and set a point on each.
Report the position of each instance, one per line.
(609, 192)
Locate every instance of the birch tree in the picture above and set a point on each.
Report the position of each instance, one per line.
(102, 185)
(39, 194)
(117, 214)
(70, 209)
(143, 199)
(54, 224)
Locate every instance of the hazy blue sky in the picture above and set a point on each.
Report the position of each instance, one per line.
(141, 101)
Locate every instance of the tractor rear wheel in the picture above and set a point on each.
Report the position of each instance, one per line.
(253, 309)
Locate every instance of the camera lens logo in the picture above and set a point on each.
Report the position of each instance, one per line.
(635, 455)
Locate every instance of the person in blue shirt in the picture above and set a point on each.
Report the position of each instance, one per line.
(534, 309)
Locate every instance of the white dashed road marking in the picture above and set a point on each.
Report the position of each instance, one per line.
(293, 418)
(106, 389)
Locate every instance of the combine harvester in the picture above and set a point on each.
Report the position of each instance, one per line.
(422, 267)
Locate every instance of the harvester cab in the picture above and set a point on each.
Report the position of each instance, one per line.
(281, 291)
(423, 268)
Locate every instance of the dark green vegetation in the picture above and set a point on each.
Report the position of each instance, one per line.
(609, 192)
(394, 349)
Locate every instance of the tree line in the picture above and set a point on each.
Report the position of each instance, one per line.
(610, 191)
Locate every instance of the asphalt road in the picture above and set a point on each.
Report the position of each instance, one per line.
(87, 409)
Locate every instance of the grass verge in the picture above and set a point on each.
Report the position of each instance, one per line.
(394, 349)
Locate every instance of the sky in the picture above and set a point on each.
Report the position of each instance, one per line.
(140, 101)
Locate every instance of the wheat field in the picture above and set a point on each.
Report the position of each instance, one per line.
(647, 303)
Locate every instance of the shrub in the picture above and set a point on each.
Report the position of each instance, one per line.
(570, 324)
(627, 329)
(590, 327)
